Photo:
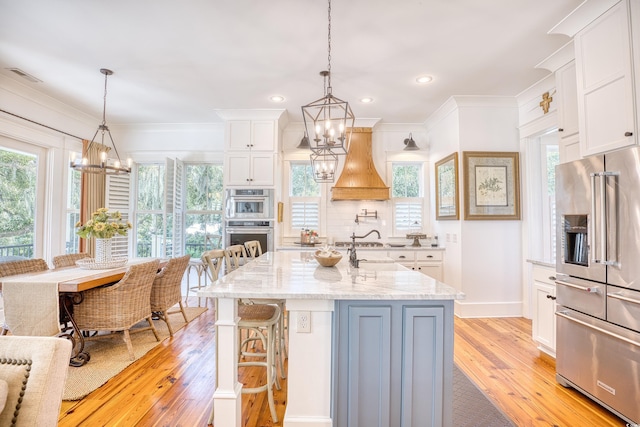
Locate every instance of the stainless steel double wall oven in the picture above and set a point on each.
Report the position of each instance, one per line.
(598, 280)
(249, 216)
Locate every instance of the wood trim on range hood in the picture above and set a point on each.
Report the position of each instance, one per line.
(359, 179)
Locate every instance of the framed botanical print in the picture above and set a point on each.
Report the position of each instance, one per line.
(491, 185)
(447, 188)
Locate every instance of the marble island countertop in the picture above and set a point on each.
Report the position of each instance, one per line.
(385, 247)
(297, 275)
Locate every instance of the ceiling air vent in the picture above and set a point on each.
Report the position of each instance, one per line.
(24, 75)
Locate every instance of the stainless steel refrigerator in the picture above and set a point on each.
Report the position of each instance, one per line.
(598, 280)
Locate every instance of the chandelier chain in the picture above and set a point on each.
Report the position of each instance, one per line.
(104, 101)
(329, 43)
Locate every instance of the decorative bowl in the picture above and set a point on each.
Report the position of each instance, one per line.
(328, 258)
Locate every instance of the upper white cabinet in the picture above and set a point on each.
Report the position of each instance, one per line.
(255, 135)
(250, 154)
(568, 127)
(605, 90)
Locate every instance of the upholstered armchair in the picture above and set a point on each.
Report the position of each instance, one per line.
(167, 290)
(33, 371)
(118, 307)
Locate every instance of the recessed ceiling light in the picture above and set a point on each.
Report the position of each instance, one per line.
(24, 75)
(366, 100)
(424, 79)
(277, 98)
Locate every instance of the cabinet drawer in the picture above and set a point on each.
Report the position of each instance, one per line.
(403, 256)
(428, 256)
(544, 274)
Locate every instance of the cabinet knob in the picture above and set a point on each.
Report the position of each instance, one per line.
(551, 297)
(248, 145)
(402, 257)
(628, 134)
(553, 278)
(560, 130)
(429, 256)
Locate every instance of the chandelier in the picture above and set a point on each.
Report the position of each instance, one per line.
(324, 164)
(104, 165)
(328, 121)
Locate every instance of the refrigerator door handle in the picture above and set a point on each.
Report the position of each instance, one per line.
(623, 298)
(597, 244)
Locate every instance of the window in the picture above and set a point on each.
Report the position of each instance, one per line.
(72, 240)
(550, 157)
(18, 185)
(304, 195)
(406, 195)
(203, 208)
(150, 226)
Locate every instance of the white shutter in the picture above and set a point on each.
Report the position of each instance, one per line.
(117, 199)
(305, 214)
(169, 199)
(178, 210)
(407, 213)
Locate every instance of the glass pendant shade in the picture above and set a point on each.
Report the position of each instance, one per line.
(324, 164)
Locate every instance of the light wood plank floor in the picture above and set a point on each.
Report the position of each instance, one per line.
(173, 384)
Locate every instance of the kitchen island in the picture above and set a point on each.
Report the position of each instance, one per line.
(412, 312)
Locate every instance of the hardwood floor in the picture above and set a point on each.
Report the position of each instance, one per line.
(172, 385)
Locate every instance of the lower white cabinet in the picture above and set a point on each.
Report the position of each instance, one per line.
(426, 261)
(544, 309)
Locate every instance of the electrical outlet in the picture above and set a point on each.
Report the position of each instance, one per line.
(304, 321)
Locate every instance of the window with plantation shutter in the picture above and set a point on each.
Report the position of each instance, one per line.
(118, 188)
(407, 213)
(305, 214)
(406, 196)
(305, 202)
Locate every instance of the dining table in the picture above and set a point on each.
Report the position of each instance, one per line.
(68, 283)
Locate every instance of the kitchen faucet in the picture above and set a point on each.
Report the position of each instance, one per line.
(353, 257)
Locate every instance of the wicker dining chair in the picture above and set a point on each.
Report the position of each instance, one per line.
(118, 307)
(22, 266)
(167, 290)
(68, 260)
(254, 248)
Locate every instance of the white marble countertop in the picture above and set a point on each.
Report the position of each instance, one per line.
(297, 275)
(385, 248)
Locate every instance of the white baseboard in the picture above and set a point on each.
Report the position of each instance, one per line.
(488, 309)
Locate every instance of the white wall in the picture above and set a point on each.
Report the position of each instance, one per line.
(485, 260)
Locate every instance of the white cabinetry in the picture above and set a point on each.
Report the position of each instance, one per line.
(250, 157)
(249, 169)
(605, 82)
(426, 261)
(567, 96)
(544, 308)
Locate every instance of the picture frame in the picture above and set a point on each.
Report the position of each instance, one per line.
(491, 185)
(447, 188)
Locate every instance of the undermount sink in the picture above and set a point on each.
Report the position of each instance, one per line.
(380, 265)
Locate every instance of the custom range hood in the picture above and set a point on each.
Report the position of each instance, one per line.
(359, 179)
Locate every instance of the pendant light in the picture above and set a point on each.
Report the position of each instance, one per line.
(324, 164)
(105, 166)
(328, 121)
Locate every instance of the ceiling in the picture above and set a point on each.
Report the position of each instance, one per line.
(180, 61)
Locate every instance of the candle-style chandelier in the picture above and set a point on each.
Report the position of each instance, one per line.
(104, 165)
(328, 122)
